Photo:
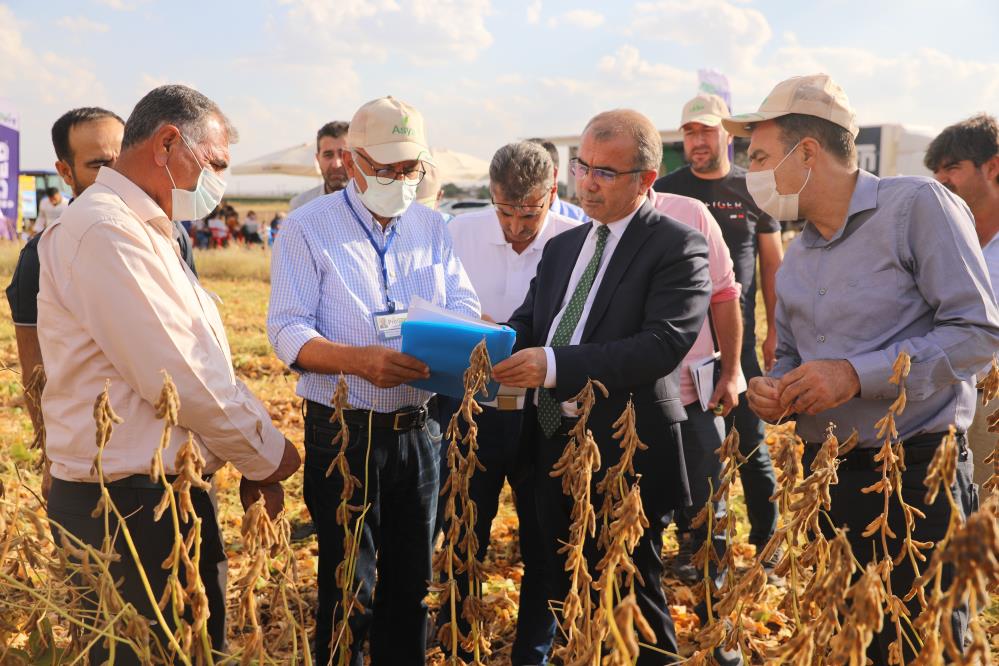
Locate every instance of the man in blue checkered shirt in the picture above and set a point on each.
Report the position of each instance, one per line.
(345, 268)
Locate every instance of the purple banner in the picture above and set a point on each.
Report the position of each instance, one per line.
(9, 171)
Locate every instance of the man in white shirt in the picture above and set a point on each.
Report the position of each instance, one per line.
(118, 306)
(49, 210)
(331, 141)
(965, 159)
(500, 249)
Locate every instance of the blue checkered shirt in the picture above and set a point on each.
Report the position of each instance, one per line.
(326, 281)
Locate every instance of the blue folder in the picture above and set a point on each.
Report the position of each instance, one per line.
(446, 348)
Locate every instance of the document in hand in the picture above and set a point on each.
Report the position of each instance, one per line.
(444, 341)
(705, 373)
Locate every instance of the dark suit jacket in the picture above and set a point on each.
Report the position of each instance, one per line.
(647, 312)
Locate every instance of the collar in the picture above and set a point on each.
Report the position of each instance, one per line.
(135, 198)
(354, 197)
(864, 198)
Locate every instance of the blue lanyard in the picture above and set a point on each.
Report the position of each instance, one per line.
(380, 251)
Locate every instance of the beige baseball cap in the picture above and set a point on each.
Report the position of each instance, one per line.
(815, 95)
(706, 109)
(390, 131)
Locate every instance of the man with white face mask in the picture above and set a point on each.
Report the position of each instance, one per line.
(117, 304)
(345, 268)
(882, 266)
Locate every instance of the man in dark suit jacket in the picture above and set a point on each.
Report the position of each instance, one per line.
(619, 300)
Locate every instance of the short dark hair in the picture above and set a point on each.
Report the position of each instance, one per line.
(51, 191)
(975, 139)
(177, 105)
(836, 140)
(333, 130)
(519, 169)
(69, 120)
(550, 147)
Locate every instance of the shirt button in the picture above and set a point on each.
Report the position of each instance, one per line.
(822, 291)
(822, 338)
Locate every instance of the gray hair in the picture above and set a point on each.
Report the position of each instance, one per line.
(176, 105)
(520, 169)
(648, 141)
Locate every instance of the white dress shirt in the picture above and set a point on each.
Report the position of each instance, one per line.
(617, 230)
(48, 213)
(116, 302)
(500, 275)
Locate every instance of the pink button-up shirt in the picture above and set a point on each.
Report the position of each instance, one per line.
(695, 214)
(117, 302)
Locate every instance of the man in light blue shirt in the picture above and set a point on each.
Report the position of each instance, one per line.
(882, 266)
(344, 271)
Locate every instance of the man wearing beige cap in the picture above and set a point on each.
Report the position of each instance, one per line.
(882, 266)
(344, 271)
(749, 233)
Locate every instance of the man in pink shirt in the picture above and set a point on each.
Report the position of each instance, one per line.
(704, 430)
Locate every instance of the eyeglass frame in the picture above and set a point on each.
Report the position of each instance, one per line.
(606, 176)
(522, 208)
(383, 179)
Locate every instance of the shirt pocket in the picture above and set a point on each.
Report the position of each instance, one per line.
(868, 307)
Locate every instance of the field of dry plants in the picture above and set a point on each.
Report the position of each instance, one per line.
(824, 615)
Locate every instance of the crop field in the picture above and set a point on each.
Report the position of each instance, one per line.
(823, 614)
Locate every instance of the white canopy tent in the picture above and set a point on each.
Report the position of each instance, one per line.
(300, 161)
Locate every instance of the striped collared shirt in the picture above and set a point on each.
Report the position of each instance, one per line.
(326, 281)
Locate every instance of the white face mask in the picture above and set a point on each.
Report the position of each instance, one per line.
(390, 200)
(762, 186)
(202, 200)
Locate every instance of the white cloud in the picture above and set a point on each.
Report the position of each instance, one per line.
(120, 5)
(584, 19)
(718, 28)
(534, 12)
(81, 24)
(627, 64)
(421, 31)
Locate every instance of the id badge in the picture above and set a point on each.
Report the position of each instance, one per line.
(388, 324)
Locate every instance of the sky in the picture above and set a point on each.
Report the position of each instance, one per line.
(486, 72)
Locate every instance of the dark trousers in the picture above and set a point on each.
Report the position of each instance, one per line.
(70, 505)
(554, 511)
(400, 469)
(703, 433)
(759, 482)
(499, 451)
(854, 510)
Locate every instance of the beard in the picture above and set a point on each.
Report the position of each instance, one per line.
(335, 181)
(706, 167)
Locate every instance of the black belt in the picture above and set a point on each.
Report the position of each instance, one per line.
(401, 420)
(137, 481)
(918, 450)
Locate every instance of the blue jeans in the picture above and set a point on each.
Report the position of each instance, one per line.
(500, 453)
(396, 541)
(759, 482)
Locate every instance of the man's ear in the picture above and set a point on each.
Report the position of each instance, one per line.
(809, 151)
(66, 173)
(991, 170)
(647, 179)
(164, 141)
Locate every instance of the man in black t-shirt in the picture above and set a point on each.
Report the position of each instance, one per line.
(748, 232)
(84, 139)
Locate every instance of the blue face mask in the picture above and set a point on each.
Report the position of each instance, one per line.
(202, 200)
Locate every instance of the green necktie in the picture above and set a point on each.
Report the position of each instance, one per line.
(549, 409)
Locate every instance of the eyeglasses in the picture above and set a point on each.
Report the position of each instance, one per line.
(510, 210)
(387, 175)
(579, 169)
